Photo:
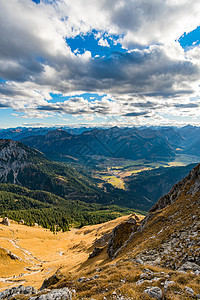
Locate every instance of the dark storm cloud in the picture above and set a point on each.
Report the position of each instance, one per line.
(186, 105)
(136, 114)
(3, 105)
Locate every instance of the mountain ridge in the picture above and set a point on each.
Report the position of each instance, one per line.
(113, 142)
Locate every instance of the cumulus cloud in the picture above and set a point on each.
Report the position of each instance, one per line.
(153, 75)
(104, 43)
(138, 21)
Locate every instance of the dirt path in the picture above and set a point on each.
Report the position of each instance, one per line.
(35, 268)
(39, 252)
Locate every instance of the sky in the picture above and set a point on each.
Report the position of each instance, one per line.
(99, 63)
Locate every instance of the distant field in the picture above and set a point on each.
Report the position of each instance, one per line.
(115, 181)
(115, 171)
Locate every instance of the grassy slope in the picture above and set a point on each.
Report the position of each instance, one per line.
(120, 275)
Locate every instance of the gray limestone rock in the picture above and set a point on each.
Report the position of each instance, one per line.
(189, 290)
(154, 292)
(6, 221)
(56, 294)
(20, 290)
(189, 266)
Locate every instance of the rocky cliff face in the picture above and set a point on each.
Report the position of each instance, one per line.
(121, 235)
(173, 227)
(14, 156)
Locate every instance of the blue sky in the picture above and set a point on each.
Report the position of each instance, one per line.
(72, 62)
(89, 42)
(190, 39)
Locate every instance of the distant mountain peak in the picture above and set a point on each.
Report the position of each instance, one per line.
(58, 133)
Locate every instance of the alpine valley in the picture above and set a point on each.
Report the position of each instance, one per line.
(100, 213)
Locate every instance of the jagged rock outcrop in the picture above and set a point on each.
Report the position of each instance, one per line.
(178, 221)
(95, 252)
(5, 221)
(20, 290)
(14, 156)
(120, 236)
(32, 294)
(55, 278)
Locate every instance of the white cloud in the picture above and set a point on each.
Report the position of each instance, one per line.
(103, 42)
(151, 77)
(141, 22)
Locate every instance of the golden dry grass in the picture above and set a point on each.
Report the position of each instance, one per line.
(43, 252)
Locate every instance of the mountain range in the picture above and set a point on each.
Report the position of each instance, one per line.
(114, 142)
(27, 167)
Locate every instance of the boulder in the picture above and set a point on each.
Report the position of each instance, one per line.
(56, 294)
(189, 290)
(189, 266)
(154, 292)
(5, 221)
(52, 280)
(81, 279)
(167, 283)
(95, 252)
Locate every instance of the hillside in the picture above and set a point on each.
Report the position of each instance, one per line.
(39, 252)
(131, 258)
(148, 186)
(51, 211)
(27, 167)
(129, 143)
(49, 193)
